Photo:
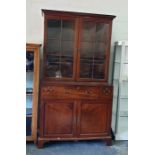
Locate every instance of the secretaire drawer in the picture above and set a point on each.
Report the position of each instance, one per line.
(71, 92)
(75, 92)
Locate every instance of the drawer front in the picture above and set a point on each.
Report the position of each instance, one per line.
(70, 92)
(76, 92)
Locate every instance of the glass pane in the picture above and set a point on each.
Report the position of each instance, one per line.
(28, 113)
(28, 104)
(29, 69)
(54, 29)
(66, 66)
(66, 69)
(86, 68)
(53, 69)
(53, 46)
(29, 79)
(28, 126)
(52, 59)
(99, 50)
(67, 48)
(98, 71)
(88, 29)
(60, 48)
(29, 60)
(86, 50)
(102, 32)
(29, 89)
(94, 39)
(68, 30)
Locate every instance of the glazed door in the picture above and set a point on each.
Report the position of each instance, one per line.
(60, 48)
(93, 50)
(93, 118)
(58, 118)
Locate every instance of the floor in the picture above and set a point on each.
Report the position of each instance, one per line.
(79, 148)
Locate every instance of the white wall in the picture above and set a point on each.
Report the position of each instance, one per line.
(34, 18)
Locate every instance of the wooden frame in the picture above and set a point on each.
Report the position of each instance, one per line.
(36, 49)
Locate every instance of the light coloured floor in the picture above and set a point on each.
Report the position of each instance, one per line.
(79, 148)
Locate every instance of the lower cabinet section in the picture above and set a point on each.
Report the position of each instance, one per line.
(75, 119)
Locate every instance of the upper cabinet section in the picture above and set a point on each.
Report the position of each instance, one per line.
(76, 46)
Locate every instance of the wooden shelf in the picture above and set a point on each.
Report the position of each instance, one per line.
(28, 115)
(94, 41)
(58, 39)
(119, 62)
(29, 70)
(66, 63)
(29, 90)
(29, 93)
(54, 55)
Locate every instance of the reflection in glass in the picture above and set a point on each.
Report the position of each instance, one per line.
(28, 126)
(54, 28)
(99, 50)
(29, 79)
(68, 30)
(29, 69)
(66, 69)
(98, 71)
(102, 31)
(67, 48)
(86, 68)
(88, 31)
(29, 61)
(86, 49)
(53, 46)
(53, 69)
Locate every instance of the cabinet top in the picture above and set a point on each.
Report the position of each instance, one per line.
(33, 45)
(65, 13)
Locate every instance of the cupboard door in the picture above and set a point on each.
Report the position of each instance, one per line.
(60, 48)
(93, 119)
(94, 48)
(59, 118)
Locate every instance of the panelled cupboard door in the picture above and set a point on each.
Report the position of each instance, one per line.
(93, 118)
(93, 50)
(60, 47)
(59, 118)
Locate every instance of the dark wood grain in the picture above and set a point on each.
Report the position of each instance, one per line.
(93, 118)
(58, 118)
